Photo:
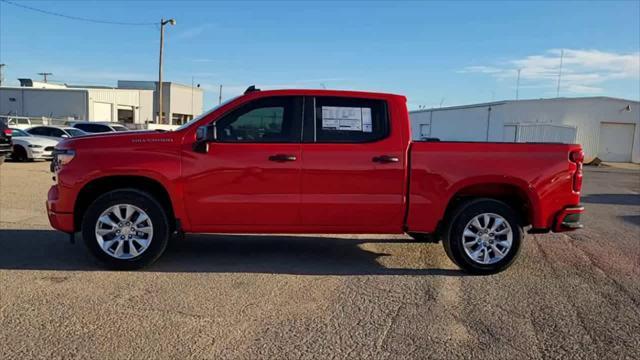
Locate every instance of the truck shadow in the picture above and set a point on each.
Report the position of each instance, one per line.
(612, 199)
(270, 254)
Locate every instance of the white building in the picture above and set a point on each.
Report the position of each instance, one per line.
(607, 128)
(181, 103)
(81, 103)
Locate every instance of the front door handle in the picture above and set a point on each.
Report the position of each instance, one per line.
(385, 159)
(282, 158)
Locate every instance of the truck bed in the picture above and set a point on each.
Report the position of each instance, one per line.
(538, 178)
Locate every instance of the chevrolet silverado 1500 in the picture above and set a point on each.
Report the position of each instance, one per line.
(310, 161)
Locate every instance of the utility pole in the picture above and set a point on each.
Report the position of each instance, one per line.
(518, 84)
(220, 95)
(560, 72)
(163, 22)
(1, 74)
(44, 75)
(192, 96)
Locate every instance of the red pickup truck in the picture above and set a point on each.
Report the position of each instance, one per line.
(310, 161)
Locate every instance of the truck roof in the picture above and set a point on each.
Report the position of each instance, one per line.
(323, 92)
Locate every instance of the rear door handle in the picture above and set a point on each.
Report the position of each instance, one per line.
(282, 158)
(385, 159)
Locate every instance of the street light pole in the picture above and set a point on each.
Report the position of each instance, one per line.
(1, 75)
(163, 22)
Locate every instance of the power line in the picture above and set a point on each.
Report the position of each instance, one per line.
(71, 17)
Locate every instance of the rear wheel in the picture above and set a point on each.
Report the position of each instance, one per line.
(126, 229)
(483, 236)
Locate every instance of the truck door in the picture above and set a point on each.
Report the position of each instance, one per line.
(352, 168)
(250, 176)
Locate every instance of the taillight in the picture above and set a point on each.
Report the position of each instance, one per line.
(577, 157)
(8, 132)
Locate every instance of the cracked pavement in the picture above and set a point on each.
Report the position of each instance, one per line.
(573, 295)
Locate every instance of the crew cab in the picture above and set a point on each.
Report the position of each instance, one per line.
(310, 161)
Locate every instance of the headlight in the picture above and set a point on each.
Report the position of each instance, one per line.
(61, 157)
(35, 146)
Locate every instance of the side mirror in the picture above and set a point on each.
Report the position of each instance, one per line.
(204, 135)
(64, 136)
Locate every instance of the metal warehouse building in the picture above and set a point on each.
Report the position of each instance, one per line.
(180, 103)
(82, 103)
(607, 128)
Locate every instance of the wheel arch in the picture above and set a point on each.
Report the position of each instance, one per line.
(515, 195)
(96, 187)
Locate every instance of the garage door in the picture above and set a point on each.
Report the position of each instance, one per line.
(616, 142)
(101, 112)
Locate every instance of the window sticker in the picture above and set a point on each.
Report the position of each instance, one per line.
(346, 118)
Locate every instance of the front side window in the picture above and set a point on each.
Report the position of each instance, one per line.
(349, 120)
(55, 132)
(276, 119)
(75, 132)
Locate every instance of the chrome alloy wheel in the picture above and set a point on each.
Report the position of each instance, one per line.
(487, 238)
(124, 231)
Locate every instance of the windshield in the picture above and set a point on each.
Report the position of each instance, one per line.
(18, 133)
(75, 132)
(187, 124)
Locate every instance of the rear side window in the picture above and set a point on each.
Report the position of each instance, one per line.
(350, 120)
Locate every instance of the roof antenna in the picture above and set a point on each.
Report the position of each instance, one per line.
(251, 89)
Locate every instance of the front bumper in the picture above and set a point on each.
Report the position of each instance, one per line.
(41, 155)
(568, 219)
(58, 220)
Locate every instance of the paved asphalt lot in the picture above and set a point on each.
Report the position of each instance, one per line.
(285, 297)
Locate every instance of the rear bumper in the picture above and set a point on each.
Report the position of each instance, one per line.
(568, 219)
(58, 220)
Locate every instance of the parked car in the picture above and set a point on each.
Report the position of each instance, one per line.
(17, 122)
(56, 132)
(5, 140)
(311, 161)
(30, 147)
(98, 126)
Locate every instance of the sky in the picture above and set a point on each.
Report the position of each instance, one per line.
(435, 53)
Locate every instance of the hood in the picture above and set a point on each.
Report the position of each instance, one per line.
(120, 139)
(35, 140)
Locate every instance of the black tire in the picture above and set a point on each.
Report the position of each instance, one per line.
(142, 200)
(453, 239)
(19, 154)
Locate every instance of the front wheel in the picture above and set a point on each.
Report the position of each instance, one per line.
(126, 229)
(483, 236)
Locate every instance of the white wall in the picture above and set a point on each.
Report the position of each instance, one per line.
(136, 99)
(585, 114)
(57, 103)
(460, 124)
